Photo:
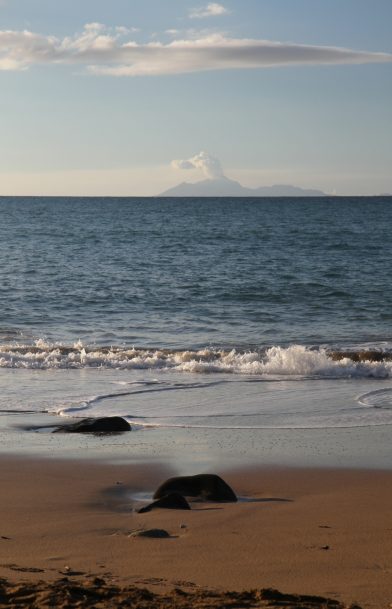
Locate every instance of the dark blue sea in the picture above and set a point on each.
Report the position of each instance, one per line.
(194, 273)
(202, 299)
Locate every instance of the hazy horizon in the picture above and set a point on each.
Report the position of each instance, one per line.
(121, 100)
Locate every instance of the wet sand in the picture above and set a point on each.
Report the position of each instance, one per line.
(301, 531)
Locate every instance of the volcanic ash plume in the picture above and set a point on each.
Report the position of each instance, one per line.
(210, 165)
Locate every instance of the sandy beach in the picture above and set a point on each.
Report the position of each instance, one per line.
(195, 284)
(301, 531)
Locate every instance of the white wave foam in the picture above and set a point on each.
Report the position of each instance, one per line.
(381, 398)
(75, 409)
(294, 361)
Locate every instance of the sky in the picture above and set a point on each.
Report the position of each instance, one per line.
(131, 97)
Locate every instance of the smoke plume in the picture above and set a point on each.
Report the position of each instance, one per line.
(210, 165)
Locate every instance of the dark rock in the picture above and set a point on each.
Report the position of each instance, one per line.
(361, 356)
(101, 425)
(154, 533)
(208, 487)
(171, 501)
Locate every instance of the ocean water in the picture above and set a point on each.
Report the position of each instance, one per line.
(203, 314)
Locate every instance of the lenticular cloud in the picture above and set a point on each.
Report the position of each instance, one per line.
(110, 51)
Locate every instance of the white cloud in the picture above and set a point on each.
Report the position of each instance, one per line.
(209, 165)
(213, 9)
(122, 30)
(110, 51)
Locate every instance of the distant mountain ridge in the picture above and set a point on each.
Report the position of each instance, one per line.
(224, 187)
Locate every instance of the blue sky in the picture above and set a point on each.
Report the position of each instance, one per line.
(280, 91)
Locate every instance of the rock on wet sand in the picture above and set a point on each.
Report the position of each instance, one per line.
(208, 487)
(100, 425)
(171, 501)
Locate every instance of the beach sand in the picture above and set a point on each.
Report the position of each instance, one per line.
(301, 531)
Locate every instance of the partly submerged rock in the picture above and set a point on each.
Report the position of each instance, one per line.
(101, 425)
(171, 501)
(362, 355)
(208, 487)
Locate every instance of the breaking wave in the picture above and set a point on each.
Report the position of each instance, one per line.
(293, 361)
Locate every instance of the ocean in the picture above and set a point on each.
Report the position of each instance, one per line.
(203, 321)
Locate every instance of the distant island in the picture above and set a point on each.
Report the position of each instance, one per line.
(224, 187)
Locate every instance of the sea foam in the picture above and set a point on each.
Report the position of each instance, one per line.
(276, 361)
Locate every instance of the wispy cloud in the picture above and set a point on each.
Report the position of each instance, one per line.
(112, 51)
(213, 9)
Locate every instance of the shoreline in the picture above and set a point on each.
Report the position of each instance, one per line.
(28, 435)
(320, 531)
